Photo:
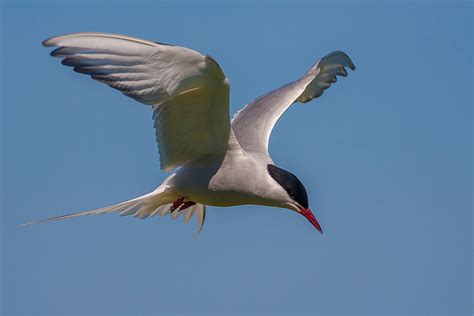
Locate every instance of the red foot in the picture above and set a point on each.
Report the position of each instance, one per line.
(181, 204)
(185, 205)
(177, 204)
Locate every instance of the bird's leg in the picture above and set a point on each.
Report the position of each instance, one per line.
(185, 205)
(181, 204)
(176, 204)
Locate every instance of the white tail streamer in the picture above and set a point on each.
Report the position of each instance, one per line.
(148, 205)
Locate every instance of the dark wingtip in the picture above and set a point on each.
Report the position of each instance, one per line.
(48, 42)
(57, 51)
(349, 61)
(351, 65)
(68, 62)
(164, 44)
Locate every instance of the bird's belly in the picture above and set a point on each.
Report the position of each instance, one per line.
(220, 188)
(210, 195)
(224, 198)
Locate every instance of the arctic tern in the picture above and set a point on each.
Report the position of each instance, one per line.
(216, 161)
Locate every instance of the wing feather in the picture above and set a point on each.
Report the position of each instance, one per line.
(188, 128)
(253, 124)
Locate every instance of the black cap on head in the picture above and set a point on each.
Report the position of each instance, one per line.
(290, 183)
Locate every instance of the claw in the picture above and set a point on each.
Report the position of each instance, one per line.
(180, 205)
(185, 205)
(177, 204)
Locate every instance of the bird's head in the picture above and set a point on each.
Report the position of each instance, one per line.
(298, 198)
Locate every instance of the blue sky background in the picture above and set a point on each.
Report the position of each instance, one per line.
(386, 156)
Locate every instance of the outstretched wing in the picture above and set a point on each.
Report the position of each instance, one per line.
(254, 123)
(188, 91)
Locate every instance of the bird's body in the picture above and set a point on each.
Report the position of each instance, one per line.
(217, 161)
(227, 183)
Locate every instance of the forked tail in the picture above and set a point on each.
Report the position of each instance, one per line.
(157, 202)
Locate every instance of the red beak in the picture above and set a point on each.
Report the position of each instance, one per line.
(309, 215)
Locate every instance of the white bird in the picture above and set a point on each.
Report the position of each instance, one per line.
(217, 161)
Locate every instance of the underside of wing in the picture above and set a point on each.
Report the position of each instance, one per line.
(191, 126)
(188, 91)
(253, 124)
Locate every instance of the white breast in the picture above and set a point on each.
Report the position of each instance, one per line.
(238, 179)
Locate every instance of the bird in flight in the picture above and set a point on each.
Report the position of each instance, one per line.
(216, 161)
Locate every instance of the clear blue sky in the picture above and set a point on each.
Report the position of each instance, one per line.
(385, 155)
